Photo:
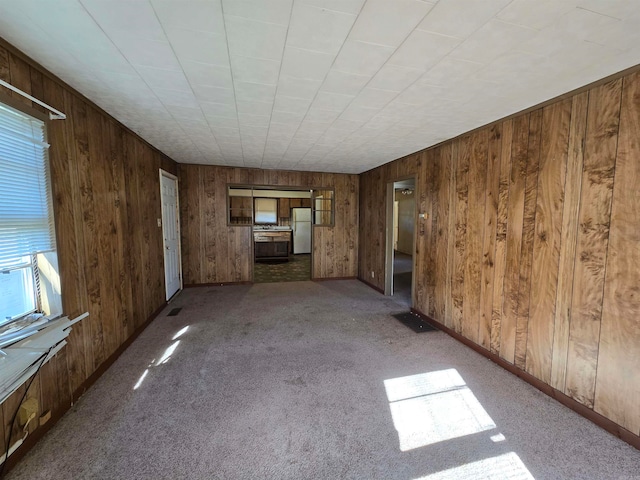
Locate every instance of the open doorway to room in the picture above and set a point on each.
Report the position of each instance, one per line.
(401, 201)
(281, 230)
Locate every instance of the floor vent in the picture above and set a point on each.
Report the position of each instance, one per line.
(414, 322)
(174, 312)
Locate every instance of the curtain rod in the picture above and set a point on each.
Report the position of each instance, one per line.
(54, 114)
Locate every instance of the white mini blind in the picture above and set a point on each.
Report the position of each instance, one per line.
(26, 210)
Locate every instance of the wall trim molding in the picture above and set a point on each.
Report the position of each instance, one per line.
(215, 284)
(327, 279)
(56, 415)
(371, 285)
(588, 413)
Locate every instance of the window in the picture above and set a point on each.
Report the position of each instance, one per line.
(266, 211)
(323, 207)
(26, 214)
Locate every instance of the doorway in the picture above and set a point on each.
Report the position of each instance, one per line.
(401, 215)
(282, 234)
(171, 233)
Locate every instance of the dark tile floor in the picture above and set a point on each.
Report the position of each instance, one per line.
(297, 269)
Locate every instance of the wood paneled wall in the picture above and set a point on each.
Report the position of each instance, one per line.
(106, 201)
(531, 245)
(213, 252)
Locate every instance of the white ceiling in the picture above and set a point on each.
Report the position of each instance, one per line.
(325, 85)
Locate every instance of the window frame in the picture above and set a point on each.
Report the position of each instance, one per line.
(331, 210)
(38, 114)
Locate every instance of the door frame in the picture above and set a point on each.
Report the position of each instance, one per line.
(388, 259)
(164, 173)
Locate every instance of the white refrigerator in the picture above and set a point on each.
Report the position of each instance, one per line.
(301, 225)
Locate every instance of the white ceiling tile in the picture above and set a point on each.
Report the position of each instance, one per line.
(362, 58)
(620, 9)
(395, 78)
(207, 74)
(181, 96)
(460, 18)
(305, 64)
(207, 93)
(253, 120)
(142, 51)
(255, 91)
(318, 29)
(357, 113)
(125, 15)
(450, 70)
(344, 83)
(389, 22)
(199, 15)
(491, 40)
(298, 87)
(167, 79)
(374, 98)
(535, 13)
(254, 106)
(270, 11)
(346, 6)
(251, 38)
(286, 118)
(196, 46)
(222, 109)
(316, 114)
(423, 49)
(332, 101)
(221, 121)
(583, 24)
(291, 104)
(255, 70)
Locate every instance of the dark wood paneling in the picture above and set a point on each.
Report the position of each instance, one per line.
(106, 200)
(542, 264)
(214, 252)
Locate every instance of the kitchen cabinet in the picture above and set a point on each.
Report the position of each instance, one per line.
(271, 245)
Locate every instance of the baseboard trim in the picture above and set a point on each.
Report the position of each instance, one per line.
(34, 437)
(600, 420)
(215, 284)
(371, 285)
(326, 279)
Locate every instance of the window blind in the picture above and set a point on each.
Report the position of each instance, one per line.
(26, 210)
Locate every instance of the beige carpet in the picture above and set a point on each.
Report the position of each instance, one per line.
(307, 380)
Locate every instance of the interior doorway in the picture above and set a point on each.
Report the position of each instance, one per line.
(282, 234)
(170, 233)
(401, 222)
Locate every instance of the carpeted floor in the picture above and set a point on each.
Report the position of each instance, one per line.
(297, 269)
(314, 381)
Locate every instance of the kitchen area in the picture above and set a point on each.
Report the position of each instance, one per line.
(281, 231)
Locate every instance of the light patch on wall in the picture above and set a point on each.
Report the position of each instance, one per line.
(433, 407)
(506, 466)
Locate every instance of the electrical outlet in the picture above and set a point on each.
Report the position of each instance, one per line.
(159, 222)
(373, 274)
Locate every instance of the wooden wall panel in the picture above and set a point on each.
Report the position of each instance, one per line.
(571, 207)
(541, 242)
(474, 233)
(593, 236)
(214, 252)
(547, 239)
(105, 189)
(515, 213)
(618, 380)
